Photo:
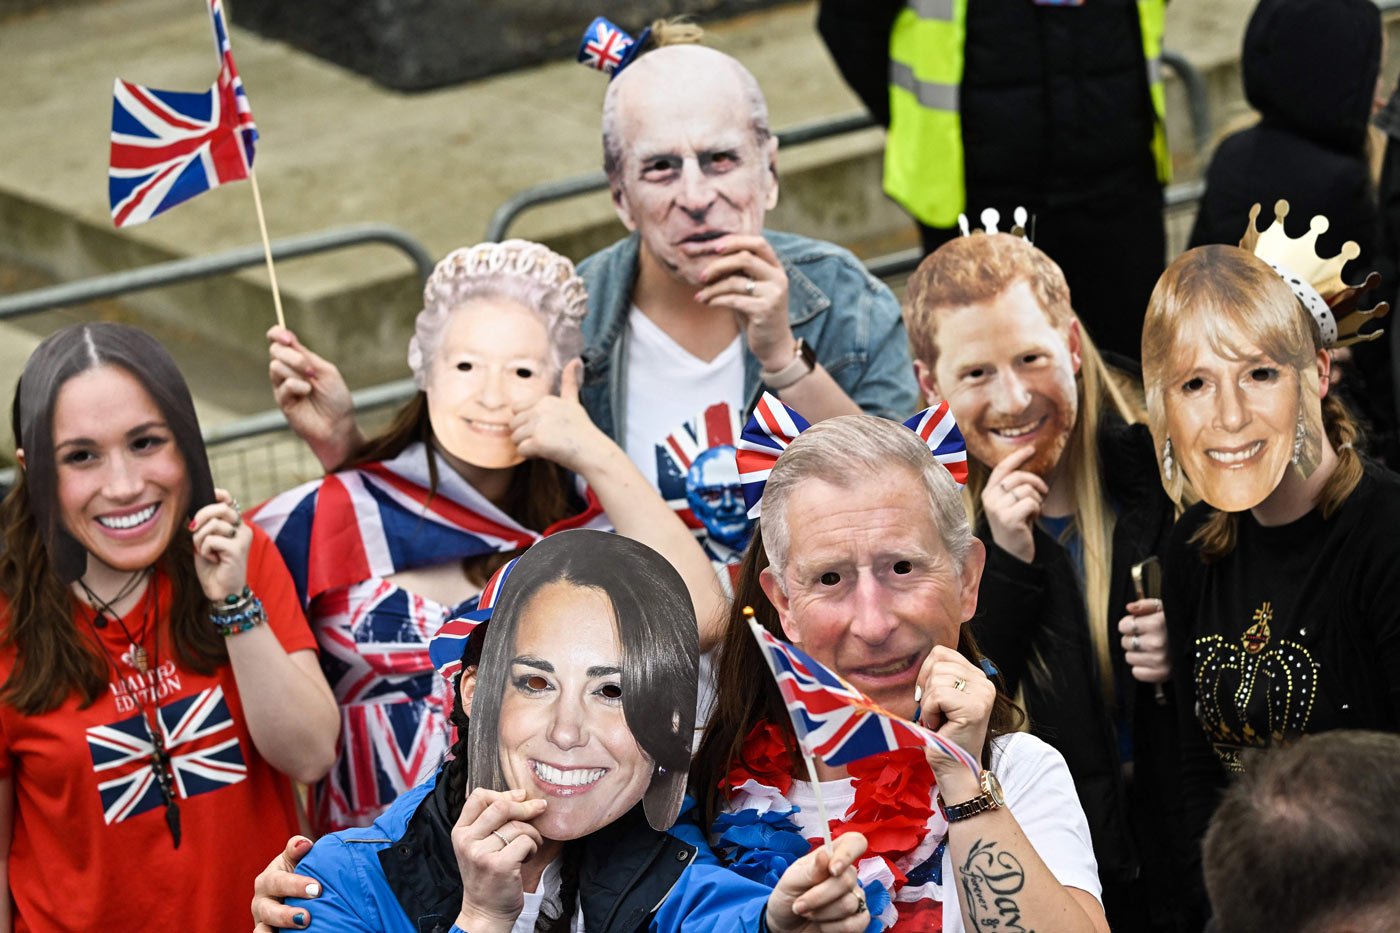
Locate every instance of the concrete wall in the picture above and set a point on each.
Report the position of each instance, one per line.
(413, 45)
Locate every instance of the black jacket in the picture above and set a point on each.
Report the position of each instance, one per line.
(626, 870)
(1032, 622)
(1054, 100)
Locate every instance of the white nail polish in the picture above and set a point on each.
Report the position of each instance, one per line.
(313, 890)
(918, 692)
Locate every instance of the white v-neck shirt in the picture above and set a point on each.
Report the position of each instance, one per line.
(667, 386)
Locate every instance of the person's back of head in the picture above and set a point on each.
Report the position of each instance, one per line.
(1311, 66)
(1308, 839)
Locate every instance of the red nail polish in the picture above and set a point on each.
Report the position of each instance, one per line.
(191, 525)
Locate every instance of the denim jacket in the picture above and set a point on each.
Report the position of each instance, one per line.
(848, 316)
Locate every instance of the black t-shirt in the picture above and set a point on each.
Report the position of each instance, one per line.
(1296, 631)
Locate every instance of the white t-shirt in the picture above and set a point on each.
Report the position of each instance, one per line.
(534, 900)
(1039, 793)
(667, 386)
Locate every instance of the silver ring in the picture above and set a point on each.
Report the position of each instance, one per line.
(1133, 643)
(497, 834)
(748, 288)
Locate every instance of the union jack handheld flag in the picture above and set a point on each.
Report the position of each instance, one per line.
(836, 722)
(168, 146)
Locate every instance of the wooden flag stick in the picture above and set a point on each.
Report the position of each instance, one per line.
(267, 249)
(817, 792)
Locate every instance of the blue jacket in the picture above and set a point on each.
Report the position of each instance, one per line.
(847, 315)
(400, 876)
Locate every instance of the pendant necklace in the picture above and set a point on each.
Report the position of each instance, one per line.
(103, 608)
(160, 757)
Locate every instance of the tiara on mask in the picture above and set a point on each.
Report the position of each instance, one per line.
(991, 217)
(520, 258)
(1316, 281)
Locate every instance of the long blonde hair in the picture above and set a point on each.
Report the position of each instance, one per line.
(974, 270)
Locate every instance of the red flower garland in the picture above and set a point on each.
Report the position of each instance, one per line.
(893, 804)
(764, 758)
(893, 792)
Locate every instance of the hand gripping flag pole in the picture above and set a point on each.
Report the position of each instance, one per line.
(836, 722)
(170, 146)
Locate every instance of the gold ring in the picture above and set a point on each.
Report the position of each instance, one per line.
(959, 684)
(860, 903)
(497, 834)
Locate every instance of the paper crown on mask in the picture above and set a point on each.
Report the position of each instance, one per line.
(774, 426)
(991, 217)
(1316, 281)
(608, 48)
(449, 643)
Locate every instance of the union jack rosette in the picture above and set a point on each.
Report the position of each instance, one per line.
(608, 48)
(449, 643)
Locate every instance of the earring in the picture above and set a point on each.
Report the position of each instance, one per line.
(1168, 465)
(1300, 437)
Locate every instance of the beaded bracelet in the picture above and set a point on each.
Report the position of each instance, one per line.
(233, 618)
(234, 601)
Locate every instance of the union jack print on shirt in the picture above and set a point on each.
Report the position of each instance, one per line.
(168, 146)
(197, 732)
(716, 426)
(836, 722)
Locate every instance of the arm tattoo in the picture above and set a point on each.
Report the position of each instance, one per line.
(991, 879)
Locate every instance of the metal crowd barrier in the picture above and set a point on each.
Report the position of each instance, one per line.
(551, 191)
(177, 271)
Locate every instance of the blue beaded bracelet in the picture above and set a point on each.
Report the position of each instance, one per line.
(246, 613)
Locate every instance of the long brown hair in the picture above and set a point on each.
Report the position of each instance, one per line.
(537, 497)
(54, 657)
(746, 694)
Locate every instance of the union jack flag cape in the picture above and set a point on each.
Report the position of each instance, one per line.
(836, 722)
(168, 146)
(382, 518)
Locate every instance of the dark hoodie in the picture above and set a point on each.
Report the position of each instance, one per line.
(1310, 69)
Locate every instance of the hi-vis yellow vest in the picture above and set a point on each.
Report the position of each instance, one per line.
(924, 152)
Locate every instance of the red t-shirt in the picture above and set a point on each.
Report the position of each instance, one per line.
(90, 848)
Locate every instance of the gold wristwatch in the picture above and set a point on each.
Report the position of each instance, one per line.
(991, 798)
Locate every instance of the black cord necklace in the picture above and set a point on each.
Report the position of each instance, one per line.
(101, 607)
(160, 757)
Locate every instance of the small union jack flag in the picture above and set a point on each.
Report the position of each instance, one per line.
(940, 432)
(835, 721)
(169, 146)
(197, 731)
(609, 49)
